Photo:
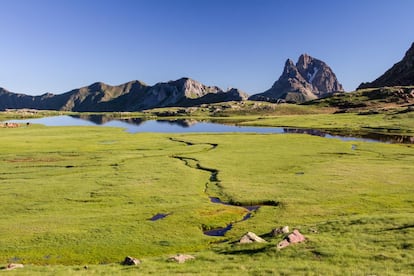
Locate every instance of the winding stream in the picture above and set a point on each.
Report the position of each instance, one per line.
(214, 180)
(219, 232)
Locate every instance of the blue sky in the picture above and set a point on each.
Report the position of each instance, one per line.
(57, 45)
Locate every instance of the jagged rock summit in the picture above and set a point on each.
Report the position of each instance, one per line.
(401, 74)
(308, 79)
(130, 96)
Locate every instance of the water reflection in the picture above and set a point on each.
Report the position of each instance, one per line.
(105, 119)
(180, 122)
(135, 125)
(366, 136)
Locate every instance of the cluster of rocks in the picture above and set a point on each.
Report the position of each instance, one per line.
(289, 239)
(249, 237)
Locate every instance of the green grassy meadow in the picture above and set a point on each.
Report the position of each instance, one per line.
(76, 196)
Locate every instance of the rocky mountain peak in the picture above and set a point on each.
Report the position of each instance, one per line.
(290, 69)
(308, 79)
(401, 74)
(304, 61)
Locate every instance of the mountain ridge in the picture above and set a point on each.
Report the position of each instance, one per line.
(400, 74)
(130, 96)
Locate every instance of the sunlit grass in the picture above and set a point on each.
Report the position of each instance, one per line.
(75, 196)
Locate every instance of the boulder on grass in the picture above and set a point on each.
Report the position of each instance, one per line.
(14, 266)
(181, 258)
(250, 237)
(284, 243)
(294, 237)
(131, 261)
(281, 230)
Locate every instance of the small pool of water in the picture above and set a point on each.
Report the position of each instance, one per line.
(159, 216)
(137, 125)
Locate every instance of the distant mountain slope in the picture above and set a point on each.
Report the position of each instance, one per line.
(401, 74)
(15, 100)
(372, 99)
(309, 79)
(131, 96)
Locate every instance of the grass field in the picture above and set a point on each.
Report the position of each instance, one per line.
(76, 196)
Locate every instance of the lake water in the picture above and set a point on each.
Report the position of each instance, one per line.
(136, 125)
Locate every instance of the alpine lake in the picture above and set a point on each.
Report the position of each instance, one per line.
(140, 125)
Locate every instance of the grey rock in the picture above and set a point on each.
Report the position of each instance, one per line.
(181, 258)
(281, 230)
(251, 237)
(131, 261)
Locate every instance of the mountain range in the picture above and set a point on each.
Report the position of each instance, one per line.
(308, 79)
(130, 96)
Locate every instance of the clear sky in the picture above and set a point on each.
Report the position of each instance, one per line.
(58, 45)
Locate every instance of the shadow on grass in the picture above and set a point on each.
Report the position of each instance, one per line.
(247, 251)
(406, 226)
(235, 248)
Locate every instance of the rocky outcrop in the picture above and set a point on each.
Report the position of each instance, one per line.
(131, 96)
(308, 79)
(401, 74)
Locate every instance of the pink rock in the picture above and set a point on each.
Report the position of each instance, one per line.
(283, 244)
(296, 237)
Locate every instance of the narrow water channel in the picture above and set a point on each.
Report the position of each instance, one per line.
(214, 180)
(219, 232)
